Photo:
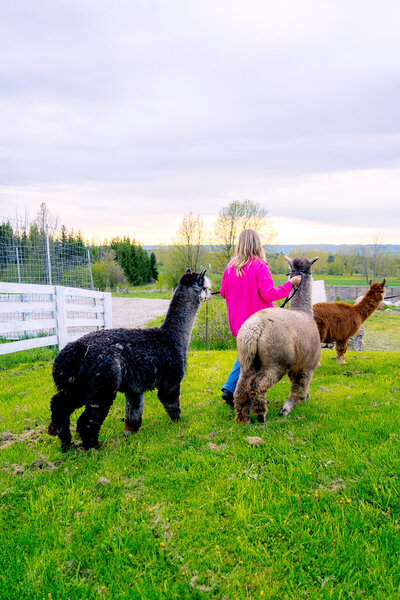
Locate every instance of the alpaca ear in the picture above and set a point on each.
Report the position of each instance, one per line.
(313, 260)
(370, 282)
(201, 275)
(187, 271)
(383, 282)
(289, 261)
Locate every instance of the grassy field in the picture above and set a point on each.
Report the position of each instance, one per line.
(152, 293)
(340, 279)
(381, 329)
(149, 291)
(193, 509)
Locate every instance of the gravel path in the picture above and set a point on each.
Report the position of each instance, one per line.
(136, 312)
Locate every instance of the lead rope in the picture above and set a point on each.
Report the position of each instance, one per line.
(295, 289)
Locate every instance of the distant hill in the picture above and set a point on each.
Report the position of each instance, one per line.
(332, 248)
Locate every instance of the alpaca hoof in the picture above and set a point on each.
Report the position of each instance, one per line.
(132, 427)
(52, 430)
(283, 412)
(88, 443)
(243, 420)
(65, 445)
(174, 414)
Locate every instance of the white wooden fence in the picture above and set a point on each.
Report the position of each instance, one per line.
(48, 315)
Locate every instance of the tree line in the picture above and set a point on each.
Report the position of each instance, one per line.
(189, 248)
(26, 246)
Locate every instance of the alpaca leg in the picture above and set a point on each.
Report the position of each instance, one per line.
(300, 383)
(258, 386)
(169, 398)
(133, 412)
(341, 347)
(62, 406)
(90, 421)
(242, 402)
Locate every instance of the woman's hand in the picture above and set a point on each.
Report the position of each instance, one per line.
(295, 280)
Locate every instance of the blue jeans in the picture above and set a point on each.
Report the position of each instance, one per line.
(233, 377)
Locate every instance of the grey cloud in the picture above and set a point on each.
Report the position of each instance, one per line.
(194, 103)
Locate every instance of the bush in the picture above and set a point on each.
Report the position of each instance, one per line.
(218, 334)
(107, 274)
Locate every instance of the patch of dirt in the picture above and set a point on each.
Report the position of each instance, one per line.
(43, 463)
(255, 441)
(337, 485)
(136, 312)
(7, 438)
(103, 481)
(214, 447)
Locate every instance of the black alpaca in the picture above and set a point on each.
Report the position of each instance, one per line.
(91, 370)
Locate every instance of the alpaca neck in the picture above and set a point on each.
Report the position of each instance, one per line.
(367, 305)
(302, 299)
(180, 316)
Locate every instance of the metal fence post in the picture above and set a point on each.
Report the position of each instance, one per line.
(207, 325)
(48, 254)
(18, 268)
(90, 268)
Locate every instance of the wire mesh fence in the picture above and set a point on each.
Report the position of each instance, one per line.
(30, 254)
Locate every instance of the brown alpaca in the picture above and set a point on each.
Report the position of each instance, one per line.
(337, 321)
(275, 342)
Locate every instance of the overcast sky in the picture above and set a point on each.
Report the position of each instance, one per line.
(123, 116)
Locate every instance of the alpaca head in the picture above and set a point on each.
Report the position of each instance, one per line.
(300, 265)
(198, 282)
(377, 289)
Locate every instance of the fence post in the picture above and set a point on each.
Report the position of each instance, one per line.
(207, 325)
(18, 267)
(90, 268)
(107, 310)
(48, 254)
(61, 307)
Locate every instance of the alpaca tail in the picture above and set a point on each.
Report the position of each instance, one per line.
(247, 344)
(67, 364)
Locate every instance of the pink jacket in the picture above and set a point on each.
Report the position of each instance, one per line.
(249, 293)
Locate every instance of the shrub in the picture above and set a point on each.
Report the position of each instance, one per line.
(107, 274)
(218, 334)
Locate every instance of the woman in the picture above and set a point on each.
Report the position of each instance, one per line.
(247, 287)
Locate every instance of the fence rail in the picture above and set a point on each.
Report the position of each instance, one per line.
(34, 316)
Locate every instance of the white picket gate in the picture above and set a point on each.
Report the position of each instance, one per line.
(48, 315)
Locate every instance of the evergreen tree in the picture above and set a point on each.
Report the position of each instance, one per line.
(153, 266)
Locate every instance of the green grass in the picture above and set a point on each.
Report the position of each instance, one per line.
(149, 291)
(340, 279)
(190, 509)
(144, 291)
(382, 331)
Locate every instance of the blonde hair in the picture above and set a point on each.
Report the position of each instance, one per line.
(249, 246)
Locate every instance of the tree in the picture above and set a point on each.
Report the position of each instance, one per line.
(232, 219)
(133, 259)
(188, 250)
(45, 221)
(153, 266)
